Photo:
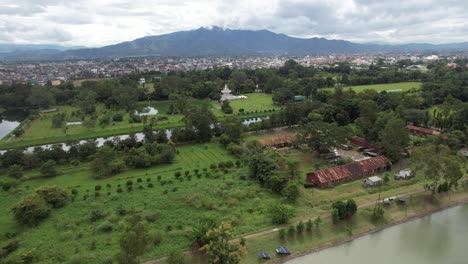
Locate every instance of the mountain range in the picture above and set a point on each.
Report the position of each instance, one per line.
(216, 41)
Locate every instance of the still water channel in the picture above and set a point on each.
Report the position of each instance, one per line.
(435, 239)
(10, 120)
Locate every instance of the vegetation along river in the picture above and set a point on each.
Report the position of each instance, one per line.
(434, 239)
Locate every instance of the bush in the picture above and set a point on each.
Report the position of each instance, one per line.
(97, 187)
(229, 164)
(31, 210)
(129, 183)
(159, 177)
(291, 230)
(176, 257)
(48, 169)
(119, 190)
(105, 227)
(221, 165)
(53, 195)
(213, 166)
(129, 188)
(121, 210)
(139, 180)
(117, 117)
(155, 237)
(280, 213)
(150, 185)
(177, 174)
(309, 225)
(96, 215)
(15, 171)
(74, 191)
(300, 227)
(152, 217)
(282, 233)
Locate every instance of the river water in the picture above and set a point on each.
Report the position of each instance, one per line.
(434, 239)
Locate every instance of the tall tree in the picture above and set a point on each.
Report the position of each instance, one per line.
(133, 240)
(220, 247)
(394, 138)
(321, 136)
(438, 166)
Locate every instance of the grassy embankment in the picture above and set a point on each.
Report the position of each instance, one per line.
(389, 87)
(40, 130)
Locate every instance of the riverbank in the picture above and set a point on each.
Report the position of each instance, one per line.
(329, 235)
(338, 243)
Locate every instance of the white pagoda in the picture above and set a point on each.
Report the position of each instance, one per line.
(226, 94)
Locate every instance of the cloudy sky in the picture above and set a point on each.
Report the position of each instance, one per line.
(103, 22)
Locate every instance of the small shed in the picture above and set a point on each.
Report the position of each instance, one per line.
(404, 174)
(373, 181)
(298, 98)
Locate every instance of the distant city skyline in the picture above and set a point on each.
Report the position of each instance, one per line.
(94, 23)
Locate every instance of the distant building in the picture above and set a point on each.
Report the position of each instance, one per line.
(299, 98)
(279, 141)
(55, 82)
(361, 142)
(373, 181)
(351, 171)
(142, 81)
(403, 174)
(422, 131)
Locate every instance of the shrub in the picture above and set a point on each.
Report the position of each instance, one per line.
(176, 257)
(221, 165)
(117, 117)
(31, 210)
(291, 230)
(155, 237)
(15, 171)
(152, 217)
(300, 227)
(213, 166)
(139, 180)
(129, 183)
(119, 190)
(282, 233)
(48, 169)
(159, 177)
(97, 187)
(74, 191)
(97, 194)
(108, 185)
(53, 195)
(150, 185)
(187, 173)
(148, 179)
(129, 188)
(280, 213)
(229, 164)
(175, 189)
(177, 174)
(121, 210)
(96, 215)
(105, 227)
(309, 225)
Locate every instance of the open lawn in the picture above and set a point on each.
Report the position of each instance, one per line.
(254, 102)
(389, 87)
(171, 207)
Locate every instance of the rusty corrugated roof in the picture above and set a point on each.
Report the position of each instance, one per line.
(280, 139)
(422, 130)
(351, 170)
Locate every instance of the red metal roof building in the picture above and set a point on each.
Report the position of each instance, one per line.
(422, 131)
(351, 171)
(361, 142)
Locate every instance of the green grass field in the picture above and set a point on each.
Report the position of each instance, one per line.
(177, 205)
(254, 102)
(389, 87)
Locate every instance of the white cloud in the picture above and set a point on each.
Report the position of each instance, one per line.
(103, 22)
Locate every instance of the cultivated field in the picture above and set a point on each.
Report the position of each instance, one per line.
(171, 206)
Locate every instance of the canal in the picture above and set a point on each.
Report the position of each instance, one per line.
(434, 239)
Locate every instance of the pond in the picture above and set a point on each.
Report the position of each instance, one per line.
(438, 238)
(9, 120)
